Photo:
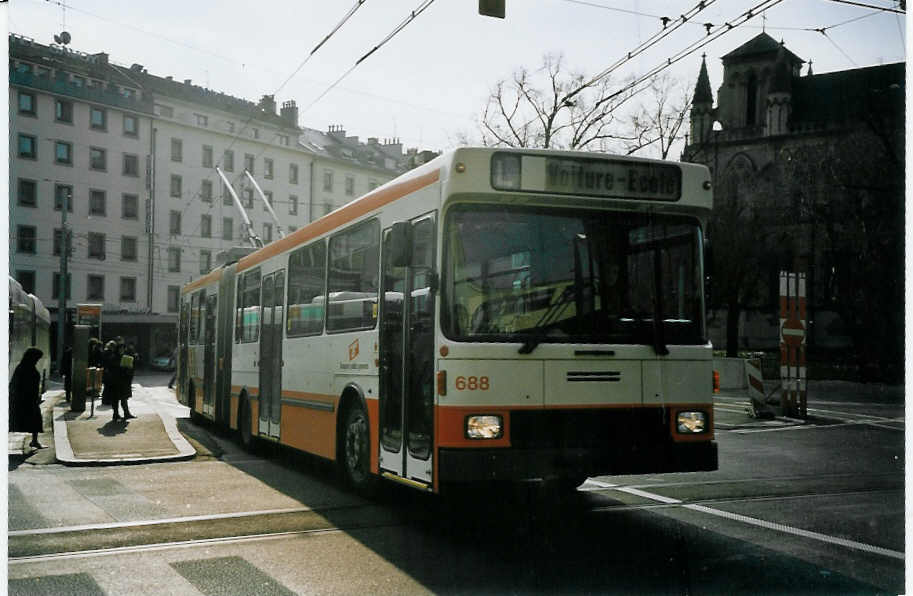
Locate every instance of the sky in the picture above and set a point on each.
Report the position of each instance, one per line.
(428, 83)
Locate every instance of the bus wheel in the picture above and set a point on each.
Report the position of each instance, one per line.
(356, 453)
(244, 421)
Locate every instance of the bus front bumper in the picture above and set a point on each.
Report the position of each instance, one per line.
(507, 464)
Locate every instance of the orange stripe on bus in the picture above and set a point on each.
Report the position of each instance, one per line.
(211, 277)
(350, 212)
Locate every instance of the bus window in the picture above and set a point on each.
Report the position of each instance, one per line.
(353, 278)
(249, 306)
(306, 275)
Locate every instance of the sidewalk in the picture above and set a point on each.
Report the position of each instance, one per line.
(87, 438)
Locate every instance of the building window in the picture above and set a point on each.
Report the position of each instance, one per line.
(55, 290)
(28, 193)
(27, 280)
(28, 147)
(372, 185)
(95, 287)
(249, 163)
(293, 173)
(328, 181)
(131, 165)
(255, 133)
(249, 198)
(96, 246)
(63, 111)
(268, 168)
(206, 226)
(283, 140)
(205, 261)
(58, 241)
(207, 156)
(23, 67)
(98, 158)
(226, 196)
(269, 198)
(174, 259)
(230, 126)
(292, 229)
(227, 231)
(206, 191)
(98, 118)
(97, 202)
(131, 126)
(228, 161)
(174, 223)
(26, 103)
(128, 289)
(175, 185)
(43, 71)
(63, 193)
(177, 150)
(267, 232)
(293, 205)
(350, 186)
(174, 295)
(128, 248)
(63, 153)
(129, 207)
(166, 111)
(26, 238)
(201, 119)
(78, 81)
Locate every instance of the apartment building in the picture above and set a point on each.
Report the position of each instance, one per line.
(133, 157)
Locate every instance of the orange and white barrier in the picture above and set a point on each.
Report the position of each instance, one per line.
(792, 344)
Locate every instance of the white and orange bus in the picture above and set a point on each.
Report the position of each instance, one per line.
(493, 314)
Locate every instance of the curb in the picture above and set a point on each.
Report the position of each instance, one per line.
(65, 455)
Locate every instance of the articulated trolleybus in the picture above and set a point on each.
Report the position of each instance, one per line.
(491, 315)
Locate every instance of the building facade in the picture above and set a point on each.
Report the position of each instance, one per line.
(808, 171)
(133, 156)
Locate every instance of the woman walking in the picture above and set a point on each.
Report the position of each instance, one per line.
(25, 397)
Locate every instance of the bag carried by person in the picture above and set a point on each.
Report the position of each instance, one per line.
(126, 361)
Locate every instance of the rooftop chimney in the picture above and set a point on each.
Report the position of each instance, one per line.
(268, 104)
(289, 113)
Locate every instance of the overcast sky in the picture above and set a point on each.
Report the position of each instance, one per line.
(429, 82)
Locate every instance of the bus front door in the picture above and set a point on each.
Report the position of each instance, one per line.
(209, 354)
(407, 363)
(273, 306)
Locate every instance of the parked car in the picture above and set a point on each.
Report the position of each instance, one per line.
(165, 362)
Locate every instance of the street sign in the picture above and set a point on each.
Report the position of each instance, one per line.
(89, 315)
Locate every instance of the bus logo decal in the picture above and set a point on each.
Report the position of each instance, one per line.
(353, 350)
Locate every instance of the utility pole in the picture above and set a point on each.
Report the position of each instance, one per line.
(63, 286)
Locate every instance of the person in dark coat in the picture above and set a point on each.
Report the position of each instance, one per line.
(127, 374)
(96, 353)
(25, 396)
(111, 377)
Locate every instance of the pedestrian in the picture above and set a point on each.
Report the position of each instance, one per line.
(173, 362)
(96, 357)
(25, 397)
(111, 377)
(66, 370)
(128, 360)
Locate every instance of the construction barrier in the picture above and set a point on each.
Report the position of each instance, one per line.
(792, 344)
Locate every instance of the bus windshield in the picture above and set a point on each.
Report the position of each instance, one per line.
(539, 275)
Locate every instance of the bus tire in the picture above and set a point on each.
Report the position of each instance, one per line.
(355, 450)
(245, 436)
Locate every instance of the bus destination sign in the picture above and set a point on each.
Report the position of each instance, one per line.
(624, 179)
(628, 179)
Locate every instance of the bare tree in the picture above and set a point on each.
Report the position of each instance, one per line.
(657, 121)
(531, 109)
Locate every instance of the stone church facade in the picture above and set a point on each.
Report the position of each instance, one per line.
(808, 171)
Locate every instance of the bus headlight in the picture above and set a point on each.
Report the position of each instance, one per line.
(691, 422)
(484, 426)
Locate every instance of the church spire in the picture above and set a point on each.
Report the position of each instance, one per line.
(702, 92)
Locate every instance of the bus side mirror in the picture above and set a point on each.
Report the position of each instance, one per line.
(400, 244)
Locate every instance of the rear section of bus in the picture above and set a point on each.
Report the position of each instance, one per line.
(572, 336)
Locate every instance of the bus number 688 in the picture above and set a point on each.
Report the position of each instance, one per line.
(472, 383)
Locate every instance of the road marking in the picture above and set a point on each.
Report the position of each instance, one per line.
(783, 528)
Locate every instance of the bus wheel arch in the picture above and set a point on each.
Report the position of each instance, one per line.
(353, 445)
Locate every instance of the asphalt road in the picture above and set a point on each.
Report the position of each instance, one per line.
(794, 508)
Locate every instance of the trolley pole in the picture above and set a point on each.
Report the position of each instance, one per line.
(62, 286)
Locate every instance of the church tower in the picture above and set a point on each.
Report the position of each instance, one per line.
(779, 97)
